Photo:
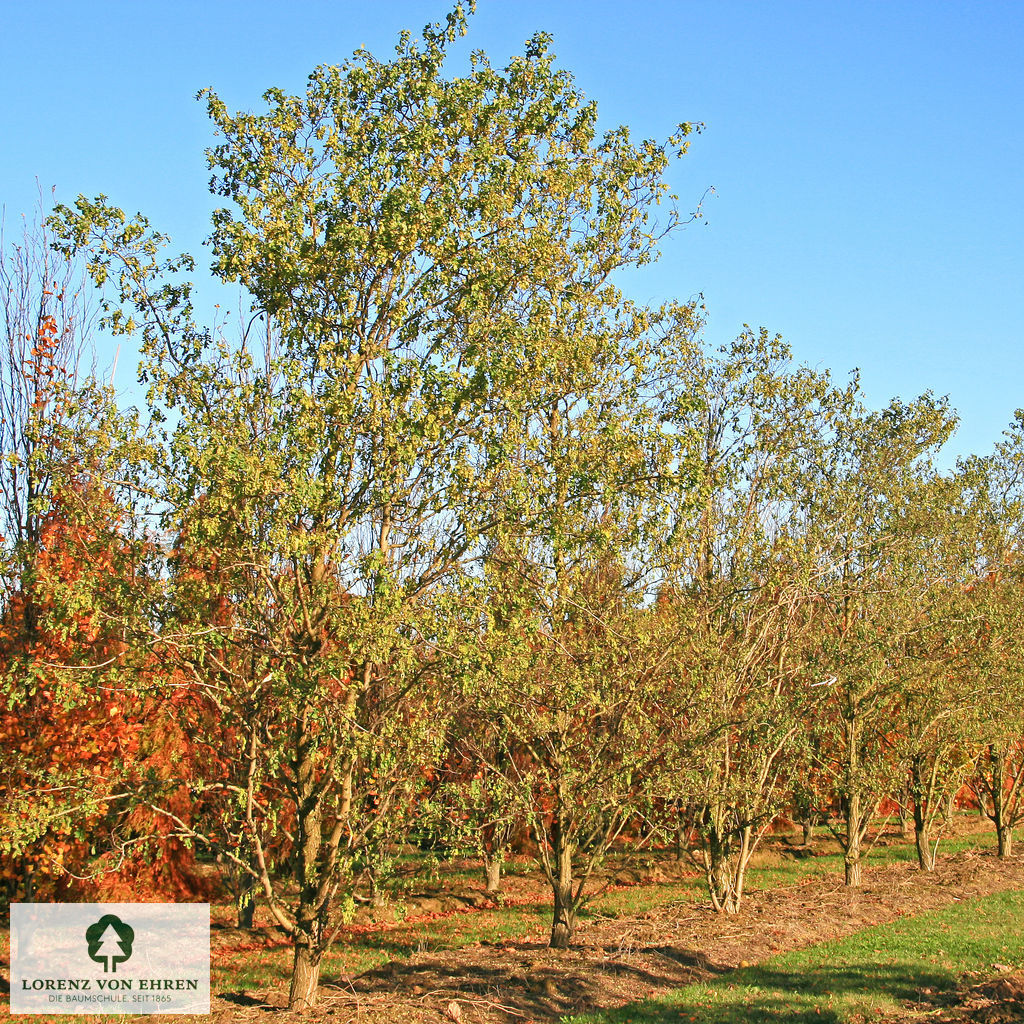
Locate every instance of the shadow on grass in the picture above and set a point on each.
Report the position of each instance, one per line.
(823, 995)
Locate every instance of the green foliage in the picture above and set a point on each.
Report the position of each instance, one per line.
(431, 261)
(737, 593)
(455, 535)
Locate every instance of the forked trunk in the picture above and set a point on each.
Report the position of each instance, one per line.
(922, 836)
(904, 819)
(922, 806)
(808, 827)
(726, 868)
(719, 875)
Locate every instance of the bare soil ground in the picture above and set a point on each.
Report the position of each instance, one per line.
(620, 960)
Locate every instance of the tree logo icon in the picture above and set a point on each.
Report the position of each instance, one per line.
(110, 942)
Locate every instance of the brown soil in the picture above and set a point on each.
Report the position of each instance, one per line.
(618, 961)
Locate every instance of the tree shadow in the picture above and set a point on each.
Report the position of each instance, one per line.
(762, 995)
(529, 980)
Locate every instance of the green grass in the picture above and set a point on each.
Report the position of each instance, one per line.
(850, 979)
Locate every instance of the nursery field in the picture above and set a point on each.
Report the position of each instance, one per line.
(427, 550)
(909, 945)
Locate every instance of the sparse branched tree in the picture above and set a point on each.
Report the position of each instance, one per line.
(936, 721)
(427, 248)
(575, 655)
(738, 593)
(997, 503)
(861, 519)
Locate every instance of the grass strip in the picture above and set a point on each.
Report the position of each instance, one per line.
(872, 972)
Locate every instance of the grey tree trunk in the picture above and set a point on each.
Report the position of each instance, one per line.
(492, 872)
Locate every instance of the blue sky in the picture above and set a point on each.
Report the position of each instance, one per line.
(867, 158)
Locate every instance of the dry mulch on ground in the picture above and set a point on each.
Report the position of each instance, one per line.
(997, 1000)
(993, 1002)
(616, 961)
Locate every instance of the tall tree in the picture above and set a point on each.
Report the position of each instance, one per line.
(997, 503)
(738, 591)
(575, 656)
(55, 421)
(861, 518)
(936, 720)
(416, 242)
(44, 328)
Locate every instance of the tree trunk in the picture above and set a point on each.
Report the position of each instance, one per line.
(922, 804)
(305, 978)
(852, 855)
(925, 850)
(853, 809)
(739, 874)
(851, 869)
(492, 871)
(310, 912)
(726, 869)
(246, 911)
(904, 817)
(679, 837)
(1004, 840)
(719, 874)
(1004, 833)
(563, 923)
(808, 827)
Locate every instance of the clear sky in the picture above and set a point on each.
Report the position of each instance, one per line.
(867, 157)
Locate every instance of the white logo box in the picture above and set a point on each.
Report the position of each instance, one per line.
(110, 958)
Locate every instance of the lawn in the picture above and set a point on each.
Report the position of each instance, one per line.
(870, 974)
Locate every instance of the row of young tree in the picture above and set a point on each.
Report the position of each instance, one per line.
(455, 543)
